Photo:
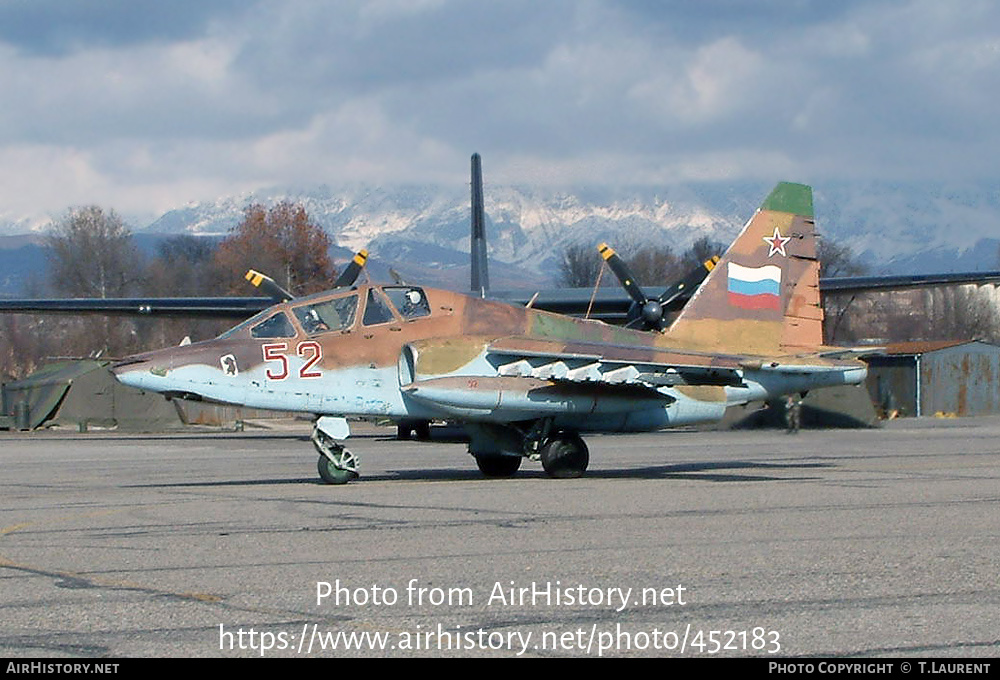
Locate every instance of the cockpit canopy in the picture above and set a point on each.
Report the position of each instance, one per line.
(336, 313)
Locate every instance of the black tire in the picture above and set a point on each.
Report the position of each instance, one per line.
(565, 457)
(331, 474)
(406, 428)
(498, 466)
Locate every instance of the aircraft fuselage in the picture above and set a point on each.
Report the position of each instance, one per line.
(449, 359)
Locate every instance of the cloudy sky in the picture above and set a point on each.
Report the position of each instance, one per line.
(145, 105)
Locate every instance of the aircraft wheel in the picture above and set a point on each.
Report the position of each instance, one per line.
(498, 466)
(565, 456)
(406, 428)
(334, 473)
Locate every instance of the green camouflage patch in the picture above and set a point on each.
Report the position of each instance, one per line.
(790, 198)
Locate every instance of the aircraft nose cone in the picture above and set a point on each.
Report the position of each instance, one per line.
(126, 365)
(144, 371)
(131, 371)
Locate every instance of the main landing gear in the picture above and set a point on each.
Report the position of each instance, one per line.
(499, 449)
(565, 456)
(499, 466)
(407, 427)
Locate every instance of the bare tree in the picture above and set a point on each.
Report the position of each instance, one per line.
(282, 242)
(961, 313)
(703, 249)
(837, 259)
(579, 266)
(655, 266)
(651, 266)
(936, 313)
(17, 348)
(184, 266)
(91, 254)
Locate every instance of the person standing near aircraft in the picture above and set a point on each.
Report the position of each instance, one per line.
(793, 413)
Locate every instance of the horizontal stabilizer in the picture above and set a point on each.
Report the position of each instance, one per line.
(852, 352)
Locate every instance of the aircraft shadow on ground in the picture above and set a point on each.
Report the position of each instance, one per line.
(726, 472)
(734, 471)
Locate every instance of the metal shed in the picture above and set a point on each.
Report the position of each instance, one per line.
(950, 377)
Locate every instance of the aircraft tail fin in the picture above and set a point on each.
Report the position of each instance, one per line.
(763, 296)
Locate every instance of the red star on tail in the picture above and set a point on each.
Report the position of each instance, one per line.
(777, 243)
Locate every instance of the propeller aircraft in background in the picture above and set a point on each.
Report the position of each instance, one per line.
(524, 382)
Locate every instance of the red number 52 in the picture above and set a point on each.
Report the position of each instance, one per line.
(275, 351)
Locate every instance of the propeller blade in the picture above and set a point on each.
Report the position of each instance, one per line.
(690, 282)
(268, 286)
(621, 270)
(350, 273)
(650, 312)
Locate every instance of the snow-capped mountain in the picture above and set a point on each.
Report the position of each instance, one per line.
(896, 228)
(526, 227)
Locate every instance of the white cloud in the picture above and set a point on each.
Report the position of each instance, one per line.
(558, 92)
(700, 88)
(364, 133)
(376, 12)
(31, 174)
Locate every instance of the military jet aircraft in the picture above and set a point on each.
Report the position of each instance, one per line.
(525, 383)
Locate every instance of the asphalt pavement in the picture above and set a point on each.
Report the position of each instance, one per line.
(844, 543)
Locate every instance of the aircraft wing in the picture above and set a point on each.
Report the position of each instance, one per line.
(527, 377)
(610, 363)
(610, 304)
(208, 307)
(594, 363)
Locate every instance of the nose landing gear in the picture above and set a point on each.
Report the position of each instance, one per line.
(336, 464)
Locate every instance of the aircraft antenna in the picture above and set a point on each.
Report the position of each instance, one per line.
(593, 294)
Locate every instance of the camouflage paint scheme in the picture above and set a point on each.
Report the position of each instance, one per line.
(752, 331)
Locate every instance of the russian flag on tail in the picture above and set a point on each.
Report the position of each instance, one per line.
(754, 287)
